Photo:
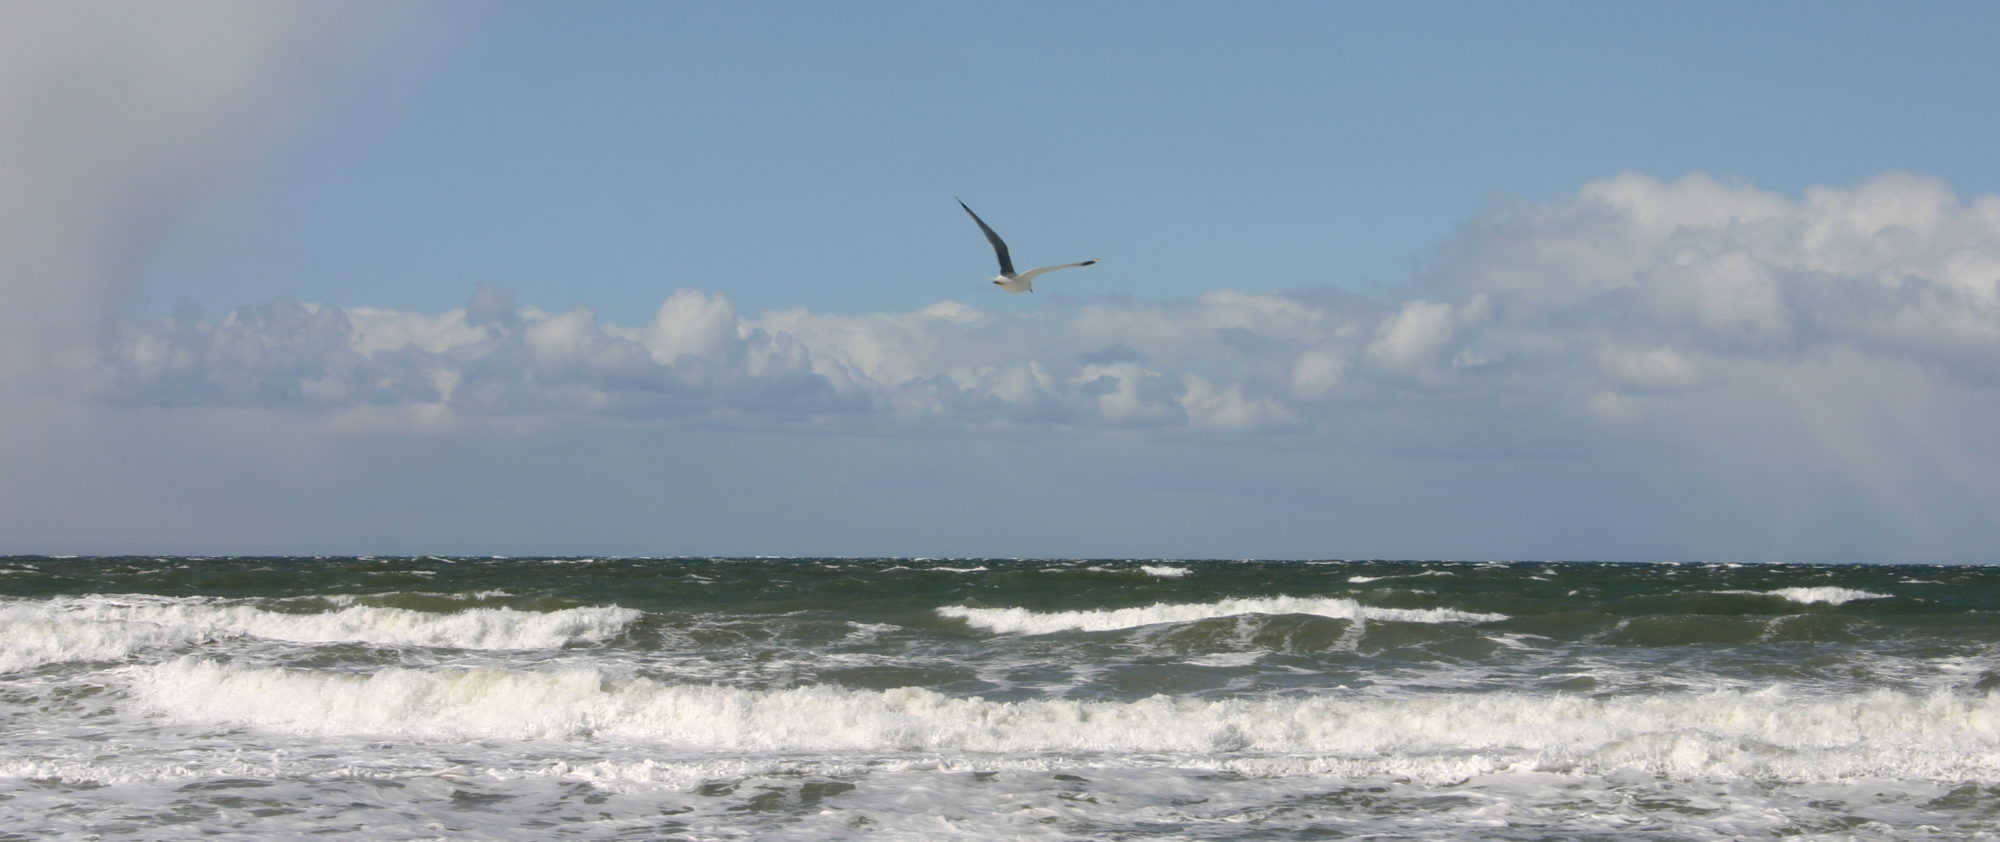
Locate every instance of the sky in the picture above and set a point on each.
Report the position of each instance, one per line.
(1539, 280)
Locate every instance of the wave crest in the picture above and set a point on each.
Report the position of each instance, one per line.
(105, 627)
(1827, 594)
(1728, 733)
(1024, 621)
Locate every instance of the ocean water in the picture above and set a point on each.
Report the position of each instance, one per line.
(826, 699)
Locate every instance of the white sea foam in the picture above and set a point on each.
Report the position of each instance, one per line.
(1727, 733)
(1515, 641)
(1164, 572)
(1827, 594)
(104, 627)
(1362, 580)
(26, 643)
(1024, 621)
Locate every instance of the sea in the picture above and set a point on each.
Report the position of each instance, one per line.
(994, 699)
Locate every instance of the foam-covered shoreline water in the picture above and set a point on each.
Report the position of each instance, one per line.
(994, 699)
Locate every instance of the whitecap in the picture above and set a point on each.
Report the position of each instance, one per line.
(1024, 621)
(1729, 734)
(111, 626)
(1827, 594)
(34, 642)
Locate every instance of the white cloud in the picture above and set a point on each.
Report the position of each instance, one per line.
(1316, 373)
(1209, 408)
(1733, 296)
(1611, 306)
(692, 324)
(1128, 394)
(1696, 202)
(1413, 341)
(1226, 363)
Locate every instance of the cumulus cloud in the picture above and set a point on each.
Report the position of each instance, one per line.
(698, 358)
(1744, 271)
(1414, 340)
(1632, 295)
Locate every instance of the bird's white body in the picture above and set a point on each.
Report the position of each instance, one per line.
(1025, 281)
(1009, 280)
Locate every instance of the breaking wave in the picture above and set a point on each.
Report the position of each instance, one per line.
(106, 627)
(1024, 621)
(1726, 733)
(1828, 595)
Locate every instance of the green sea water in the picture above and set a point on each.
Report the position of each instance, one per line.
(614, 698)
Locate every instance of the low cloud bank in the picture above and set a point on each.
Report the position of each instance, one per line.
(1627, 298)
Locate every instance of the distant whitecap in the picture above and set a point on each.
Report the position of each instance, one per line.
(1024, 621)
(1828, 595)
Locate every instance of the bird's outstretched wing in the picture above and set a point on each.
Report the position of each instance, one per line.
(999, 245)
(1031, 273)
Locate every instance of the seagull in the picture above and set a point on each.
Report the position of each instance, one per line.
(1008, 279)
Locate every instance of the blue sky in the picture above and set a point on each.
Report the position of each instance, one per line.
(805, 155)
(1471, 280)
